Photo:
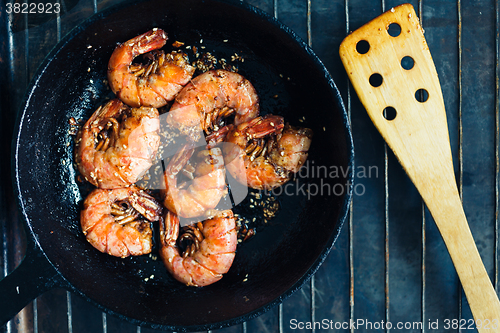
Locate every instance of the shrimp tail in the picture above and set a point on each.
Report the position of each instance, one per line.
(103, 114)
(169, 232)
(169, 229)
(179, 160)
(149, 41)
(263, 126)
(218, 136)
(146, 205)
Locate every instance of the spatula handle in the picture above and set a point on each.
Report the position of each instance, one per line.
(452, 223)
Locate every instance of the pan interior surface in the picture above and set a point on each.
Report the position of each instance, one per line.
(290, 81)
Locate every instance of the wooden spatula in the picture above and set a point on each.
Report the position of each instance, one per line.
(391, 69)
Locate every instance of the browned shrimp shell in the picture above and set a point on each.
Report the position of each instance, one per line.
(199, 195)
(210, 253)
(151, 84)
(264, 153)
(117, 222)
(117, 145)
(209, 98)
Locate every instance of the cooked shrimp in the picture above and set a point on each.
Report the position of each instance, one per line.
(264, 153)
(209, 98)
(210, 248)
(206, 183)
(151, 84)
(117, 222)
(117, 145)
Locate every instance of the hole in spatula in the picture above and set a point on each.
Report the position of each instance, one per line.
(394, 29)
(376, 80)
(362, 47)
(390, 113)
(421, 95)
(407, 62)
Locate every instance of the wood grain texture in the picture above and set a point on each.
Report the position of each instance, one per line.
(418, 135)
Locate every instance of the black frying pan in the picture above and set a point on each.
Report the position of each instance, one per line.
(268, 267)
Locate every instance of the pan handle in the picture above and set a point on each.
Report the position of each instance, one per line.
(34, 276)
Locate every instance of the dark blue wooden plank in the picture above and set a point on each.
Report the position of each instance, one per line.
(264, 5)
(116, 325)
(478, 73)
(368, 205)
(231, 329)
(13, 84)
(52, 311)
(76, 13)
(293, 13)
(332, 282)
(85, 317)
(405, 247)
(41, 39)
(268, 322)
(297, 308)
(440, 274)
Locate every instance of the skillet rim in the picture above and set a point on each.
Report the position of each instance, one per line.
(343, 211)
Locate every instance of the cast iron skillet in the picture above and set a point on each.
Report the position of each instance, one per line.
(270, 266)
